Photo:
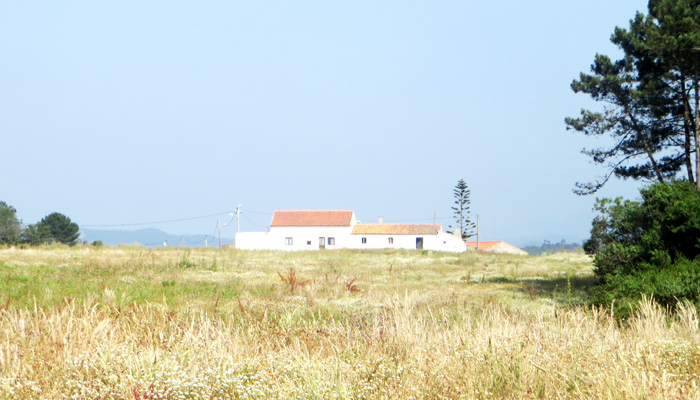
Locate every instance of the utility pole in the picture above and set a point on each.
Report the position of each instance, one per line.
(218, 228)
(477, 231)
(238, 218)
(205, 241)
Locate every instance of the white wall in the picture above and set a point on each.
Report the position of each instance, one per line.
(382, 242)
(253, 241)
(444, 242)
(276, 238)
(440, 242)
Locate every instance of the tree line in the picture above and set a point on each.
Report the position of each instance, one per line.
(651, 111)
(549, 247)
(53, 228)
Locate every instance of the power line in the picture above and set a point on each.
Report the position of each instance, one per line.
(229, 222)
(224, 213)
(417, 220)
(157, 222)
(197, 242)
(258, 212)
(251, 221)
(215, 229)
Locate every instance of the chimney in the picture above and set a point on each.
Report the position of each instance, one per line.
(381, 220)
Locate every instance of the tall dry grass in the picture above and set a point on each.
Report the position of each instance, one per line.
(415, 328)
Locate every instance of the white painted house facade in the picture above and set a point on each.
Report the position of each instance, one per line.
(315, 230)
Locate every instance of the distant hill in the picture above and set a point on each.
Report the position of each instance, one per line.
(538, 240)
(151, 237)
(548, 246)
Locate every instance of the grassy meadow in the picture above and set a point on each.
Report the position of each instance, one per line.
(133, 323)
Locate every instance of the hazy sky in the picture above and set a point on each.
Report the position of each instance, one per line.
(130, 112)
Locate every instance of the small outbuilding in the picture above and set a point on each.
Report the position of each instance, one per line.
(497, 246)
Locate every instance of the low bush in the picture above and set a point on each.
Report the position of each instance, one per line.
(650, 247)
(677, 282)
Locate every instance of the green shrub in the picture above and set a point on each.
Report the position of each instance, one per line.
(185, 262)
(650, 247)
(677, 282)
(500, 279)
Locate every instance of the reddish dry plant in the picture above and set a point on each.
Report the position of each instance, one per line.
(350, 286)
(336, 278)
(292, 280)
(6, 305)
(216, 304)
(148, 394)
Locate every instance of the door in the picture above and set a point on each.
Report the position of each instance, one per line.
(321, 243)
(419, 243)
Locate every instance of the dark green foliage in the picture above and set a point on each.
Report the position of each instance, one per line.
(36, 234)
(649, 95)
(10, 226)
(649, 247)
(613, 228)
(500, 279)
(54, 228)
(629, 120)
(675, 282)
(461, 210)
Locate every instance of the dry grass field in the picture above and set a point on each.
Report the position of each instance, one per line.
(135, 323)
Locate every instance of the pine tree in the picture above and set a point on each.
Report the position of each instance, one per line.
(10, 226)
(651, 98)
(53, 228)
(461, 210)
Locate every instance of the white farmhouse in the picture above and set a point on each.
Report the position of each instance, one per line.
(301, 230)
(405, 236)
(315, 230)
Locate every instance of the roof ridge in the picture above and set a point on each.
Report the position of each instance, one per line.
(312, 218)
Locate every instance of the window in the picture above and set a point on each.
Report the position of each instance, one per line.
(288, 241)
(308, 243)
(364, 240)
(331, 241)
(391, 240)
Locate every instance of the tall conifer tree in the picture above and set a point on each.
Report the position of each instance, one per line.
(461, 210)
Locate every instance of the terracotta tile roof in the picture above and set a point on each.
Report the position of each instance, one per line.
(396, 229)
(312, 218)
(497, 246)
(484, 245)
